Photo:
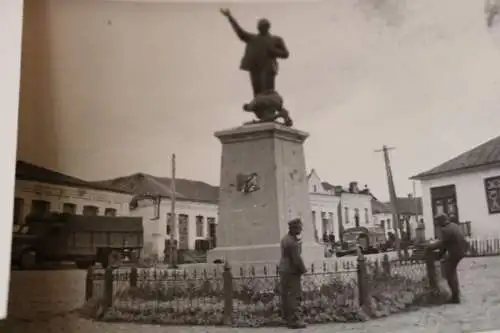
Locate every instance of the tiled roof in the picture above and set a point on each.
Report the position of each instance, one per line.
(141, 184)
(487, 153)
(407, 206)
(31, 172)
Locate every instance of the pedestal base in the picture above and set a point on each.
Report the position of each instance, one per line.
(270, 253)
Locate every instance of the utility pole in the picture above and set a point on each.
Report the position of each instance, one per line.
(173, 219)
(392, 195)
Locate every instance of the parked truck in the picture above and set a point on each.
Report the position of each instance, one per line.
(85, 240)
(367, 239)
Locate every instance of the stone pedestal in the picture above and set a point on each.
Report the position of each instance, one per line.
(252, 223)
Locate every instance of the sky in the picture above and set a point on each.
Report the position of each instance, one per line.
(111, 88)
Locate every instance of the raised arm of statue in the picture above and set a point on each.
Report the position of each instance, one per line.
(242, 34)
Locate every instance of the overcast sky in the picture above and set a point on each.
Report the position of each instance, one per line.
(114, 88)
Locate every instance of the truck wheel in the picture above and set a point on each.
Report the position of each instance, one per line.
(28, 260)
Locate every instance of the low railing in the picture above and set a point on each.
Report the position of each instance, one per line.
(251, 296)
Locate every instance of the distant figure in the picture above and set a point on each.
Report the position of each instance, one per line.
(453, 244)
(325, 237)
(261, 53)
(331, 238)
(292, 268)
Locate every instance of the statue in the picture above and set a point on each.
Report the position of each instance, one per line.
(260, 60)
(268, 107)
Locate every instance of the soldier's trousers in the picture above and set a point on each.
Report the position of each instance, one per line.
(450, 273)
(291, 295)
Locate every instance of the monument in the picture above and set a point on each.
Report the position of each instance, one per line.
(263, 186)
(263, 181)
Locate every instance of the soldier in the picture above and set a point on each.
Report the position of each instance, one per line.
(291, 270)
(453, 243)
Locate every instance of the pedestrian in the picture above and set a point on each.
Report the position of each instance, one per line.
(453, 247)
(292, 268)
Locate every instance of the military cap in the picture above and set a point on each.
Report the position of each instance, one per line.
(441, 217)
(295, 222)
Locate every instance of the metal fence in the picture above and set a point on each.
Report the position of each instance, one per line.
(251, 296)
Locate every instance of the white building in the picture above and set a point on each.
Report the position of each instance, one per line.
(335, 208)
(409, 211)
(467, 188)
(39, 190)
(196, 209)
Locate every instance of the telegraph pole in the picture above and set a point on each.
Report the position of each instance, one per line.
(392, 195)
(173, 219)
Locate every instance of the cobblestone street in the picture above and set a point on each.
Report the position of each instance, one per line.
(44, 301)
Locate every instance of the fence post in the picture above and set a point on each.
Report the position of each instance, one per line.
(386, 266)
(364, 293)
(89, 283)
(228, 294)
(133, 277)
(108, 289)
(431, 271)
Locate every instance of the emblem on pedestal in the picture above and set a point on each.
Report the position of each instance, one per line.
(247, 183)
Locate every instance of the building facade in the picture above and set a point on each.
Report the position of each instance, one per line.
(335, 208)
(409, 211)
(467, 188)
(39, 190)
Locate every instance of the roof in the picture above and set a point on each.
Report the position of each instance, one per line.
(379, 207)
(485, 154)
(141, 184)
(31, 172)
(407, 206)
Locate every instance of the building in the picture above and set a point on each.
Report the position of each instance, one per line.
(196, 208)
(335, 208)
(409, 210)
(467, 188)
(39, 190)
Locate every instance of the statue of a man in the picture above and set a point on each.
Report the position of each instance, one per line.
(261, 53)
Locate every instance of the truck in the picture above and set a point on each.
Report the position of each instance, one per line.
(84, 240)
(367, 239)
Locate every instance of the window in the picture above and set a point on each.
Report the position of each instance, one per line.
(69, 208)
(40, 207)
(110, 212)
(315, 188)
(492, 187)
(314, 217)
(18, 210)
(332, 225)
(346, 215)
(90, 210)
(200, 226)
(388, 223)
(367, 216)
(356, 216)
(382, 224)
(325, 223)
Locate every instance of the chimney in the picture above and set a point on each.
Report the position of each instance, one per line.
(353, 187)
(338, 190)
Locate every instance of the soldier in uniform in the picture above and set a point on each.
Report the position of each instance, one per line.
(292, 268)
(453, 244)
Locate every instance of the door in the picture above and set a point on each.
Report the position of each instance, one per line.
(183, 232)
(444, 200)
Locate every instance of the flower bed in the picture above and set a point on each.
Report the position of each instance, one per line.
(257, 304)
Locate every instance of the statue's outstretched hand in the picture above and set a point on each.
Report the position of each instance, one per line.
(225, 12)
